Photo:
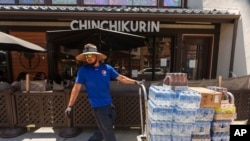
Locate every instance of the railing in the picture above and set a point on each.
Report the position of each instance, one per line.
(47, 109)
(6, 118)
(40, 109)
(242, 103)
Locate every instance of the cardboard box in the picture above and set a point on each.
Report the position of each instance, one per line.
(221, 129)
(209, 98)
(225, 116)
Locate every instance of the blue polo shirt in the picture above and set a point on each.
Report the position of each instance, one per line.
(97, 83)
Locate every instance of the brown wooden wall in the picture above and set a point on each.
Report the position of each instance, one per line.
(38, 61)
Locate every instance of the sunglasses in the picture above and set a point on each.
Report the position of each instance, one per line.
(88, 56)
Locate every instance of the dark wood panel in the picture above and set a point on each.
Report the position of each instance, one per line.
(38, 61)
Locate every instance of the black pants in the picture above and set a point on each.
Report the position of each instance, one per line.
(105, 117)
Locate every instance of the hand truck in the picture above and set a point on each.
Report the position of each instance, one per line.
(144, 123)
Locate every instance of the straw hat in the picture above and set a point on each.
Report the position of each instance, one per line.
(90, 49)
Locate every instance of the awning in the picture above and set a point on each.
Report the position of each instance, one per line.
(104, 39)
(12, 43)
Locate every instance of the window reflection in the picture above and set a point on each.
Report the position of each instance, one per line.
(121, 2)
(64, 1)
(3, 66)
(31, 1)
(155, 59)
(95, 2)
(67, 65)
(139, 63)
(7, 1)
(145, 2)
(166, 3)
(172, 3)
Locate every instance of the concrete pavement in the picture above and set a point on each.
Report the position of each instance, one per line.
(52, 134)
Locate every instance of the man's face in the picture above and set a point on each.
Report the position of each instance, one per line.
(91, 59)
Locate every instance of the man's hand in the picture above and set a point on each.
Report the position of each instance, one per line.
(68, 111)
(139, 82)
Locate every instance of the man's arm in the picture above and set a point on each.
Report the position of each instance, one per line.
(74, 93)
(125, 79)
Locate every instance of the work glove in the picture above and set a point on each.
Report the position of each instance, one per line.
(68, 111)
(139, 82)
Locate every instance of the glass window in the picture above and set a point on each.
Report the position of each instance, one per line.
(67, 62)
(95, 2)
(172, 3)
(3, 66)
(64, 1)
(120, 2)
(31, 1)
(7, 1)
(196, 55)
(145, 2)
(138, 63)
(160, 61)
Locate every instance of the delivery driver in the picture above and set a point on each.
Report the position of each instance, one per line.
(96, 77)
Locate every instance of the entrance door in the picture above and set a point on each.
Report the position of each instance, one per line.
(197, 56)
(156, 58)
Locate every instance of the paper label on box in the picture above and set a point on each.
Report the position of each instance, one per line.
(216, 99)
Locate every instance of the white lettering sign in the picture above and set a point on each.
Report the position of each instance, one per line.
(123, 26)
(240, 132)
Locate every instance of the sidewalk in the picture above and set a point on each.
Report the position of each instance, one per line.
(52, 134)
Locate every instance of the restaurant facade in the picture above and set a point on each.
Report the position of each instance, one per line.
(197, 37)
(202, 38)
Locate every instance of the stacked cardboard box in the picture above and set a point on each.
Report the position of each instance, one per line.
(224, 115)
(222, 103)
(209, 100)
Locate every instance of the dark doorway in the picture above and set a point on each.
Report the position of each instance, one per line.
(196, 56)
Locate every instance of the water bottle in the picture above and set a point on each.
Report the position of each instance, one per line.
(194, 99)
(173, 98)
(201, 128)
(162, 96)
(184, 115)
(182, 129)
(205, 114)
(161, 113)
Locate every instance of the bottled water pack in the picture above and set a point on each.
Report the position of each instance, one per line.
(181, 138)
(182, 129)
(160, 137)
(202, 128)
(172, 114)
(205, 114)
(221, 126)
(160, 127)
(160, 113)
(188, 99)
(184, 115)
(201, 137)
(220, 136)
(162, 96)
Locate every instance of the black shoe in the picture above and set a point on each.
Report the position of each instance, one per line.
(96, 137)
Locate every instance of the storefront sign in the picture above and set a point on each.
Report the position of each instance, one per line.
(122, 26)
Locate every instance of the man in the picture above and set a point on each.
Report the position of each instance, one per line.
(96, 77)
